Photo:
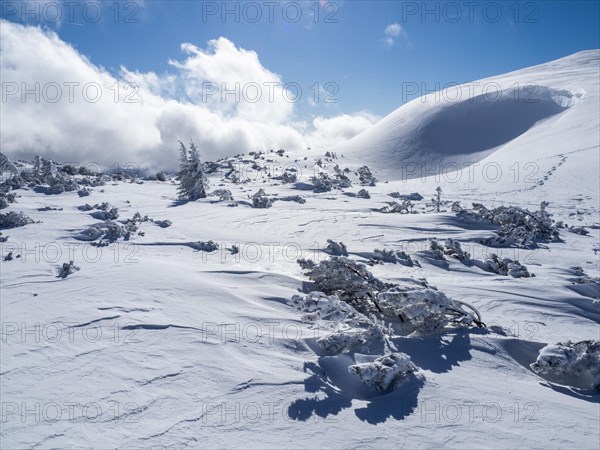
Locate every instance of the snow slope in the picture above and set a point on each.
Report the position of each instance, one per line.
(155, 344)
(516, 118)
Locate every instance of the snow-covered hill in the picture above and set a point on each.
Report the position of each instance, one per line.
(156, 343)
(513, 119)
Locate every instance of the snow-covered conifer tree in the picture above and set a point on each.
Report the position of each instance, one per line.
(193, 183)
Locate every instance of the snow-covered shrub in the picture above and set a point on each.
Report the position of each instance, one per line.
(109, 231)
(318, 306)
(506, 266)
(347, 279)
(398, 208)
(385, 255)
(111, 214)
(577, 363)
(579, 230)
(350, 328)
(336, 248)
(436, 249)
(452, 248)
(193, 183)
(405, 259)
(293, 198)
(14, 219)
(47, 172)
(260, 200)
(392, 256)
(363, 193)
(322, 183)
(84, 192)
(437, 200)
(86, 207)
(422, 306)
(289, 177)
(413, 196)
(223, 194)
(518, 226)
(366, 177)
(115, 231)
(386, 371)
(206, 246)
(67, 269)
(163, 223)
(425, 308)
(7, 198)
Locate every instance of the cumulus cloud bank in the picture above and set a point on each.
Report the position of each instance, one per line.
(55, 102)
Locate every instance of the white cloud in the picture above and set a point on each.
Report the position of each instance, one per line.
(169, 107)
(392, 32)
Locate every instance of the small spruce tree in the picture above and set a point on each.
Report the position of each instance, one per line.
(193, 183)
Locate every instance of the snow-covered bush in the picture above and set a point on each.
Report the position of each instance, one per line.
(84, 192)
(163, 223)
(14, 219)
(392, 256)
(67, 269)
(289, 177)
(292, 198)
(366, 177)
(206, 246)
(405, 259)
(579, 230)
(336, 248)
(318, 306)
(110, 231)
(385, 255)
(347, 279)
(413, 196)
(386, 371)
(47, 172)
(7, 198)
(418, 304)
(399, 208)
(323, 182)
(452, 248)
(223, 194)
(436, 249)
(426, 308)
(111, 214)
(363, 193)
(350, 328)
(506, 266)
(261, 200)
(341, 179)
(193, 183)
(576, 363)
(518, 226)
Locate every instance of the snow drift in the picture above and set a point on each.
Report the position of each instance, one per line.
(537, 109)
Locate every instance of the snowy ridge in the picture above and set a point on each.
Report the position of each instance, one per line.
(537, 112)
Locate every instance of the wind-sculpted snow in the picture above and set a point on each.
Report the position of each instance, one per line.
(485, 120)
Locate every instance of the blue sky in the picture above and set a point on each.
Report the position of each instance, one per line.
(361, 55)
(439, 42)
